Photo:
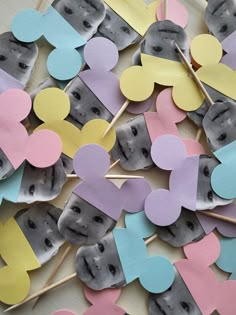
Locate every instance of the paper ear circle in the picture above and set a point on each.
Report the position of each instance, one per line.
(91, 161)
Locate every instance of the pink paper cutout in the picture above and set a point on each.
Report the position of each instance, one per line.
(64, 312)
(209, 294)
(165, 119)
(177, 13)
(224, 228)
(169, 153)
(102, 55)
(103, 302)
(101, 192)
(41, 149)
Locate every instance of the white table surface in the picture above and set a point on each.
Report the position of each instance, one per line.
(133, 298)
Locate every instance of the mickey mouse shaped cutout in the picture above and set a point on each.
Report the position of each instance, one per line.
(52, 105)
(137, 83)
(96, 203)
(64, 62)
(189, 183)
(227, 258)
(103, 302)
(209, 294)
(121, 257)
(101, 81)
(41, 149)
(165, 121)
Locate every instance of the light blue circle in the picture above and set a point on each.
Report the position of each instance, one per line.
(64, 64)
(27, 25)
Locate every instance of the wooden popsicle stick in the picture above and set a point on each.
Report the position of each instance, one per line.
(150, 239)
(55, 271)
(38, 5)
(199, 134)
(114, 164)
(41, 292)
(115, 176)
(218, 216)
(117, 116)
(195, 77)
(166, 9)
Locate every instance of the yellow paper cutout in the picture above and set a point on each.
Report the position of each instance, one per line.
(136, 84)
(220, 77)
(50, 103)
(19, 258)
(206, 50)
(15, 249)
(71, 137)
(185, 92)
(14, 285)
(136, 13)
(160, 69)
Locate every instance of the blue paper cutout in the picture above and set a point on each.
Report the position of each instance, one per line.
(64, 62)
(10, 187)
(227, 258)
(156, 273)
(223, 176)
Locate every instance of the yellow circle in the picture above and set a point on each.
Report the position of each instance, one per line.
(206, 50)
(52, 104)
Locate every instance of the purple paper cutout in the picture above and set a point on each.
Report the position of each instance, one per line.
(224, 228)
(161, 154)
(134, 193)
(101, 192)
(8, 82)
(102, 56)
(229, 46)
(88, 165)
(162, 206)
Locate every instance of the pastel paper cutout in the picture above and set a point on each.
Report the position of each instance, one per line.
(177, 13)
(8, 82)
(19, 258)
(10, 187)
(41, 149)
(52, 106)
(91, 163)
(212, 53)
(103, 302)
(102, 55)
(223, 176)
(209, 294)
(155, 273)
(64, 62)
(169, 153)
(137, 82)
(137, 14)
(228, 44)
(224, 228)
(227, 258)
